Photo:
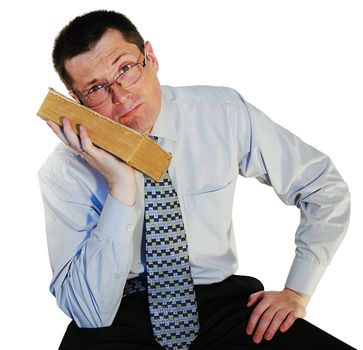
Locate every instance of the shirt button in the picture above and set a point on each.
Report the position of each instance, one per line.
(130, 228)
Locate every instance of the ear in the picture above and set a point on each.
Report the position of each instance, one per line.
(151, 56)
(74, 96)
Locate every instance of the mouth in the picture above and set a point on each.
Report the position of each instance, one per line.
(129, 111)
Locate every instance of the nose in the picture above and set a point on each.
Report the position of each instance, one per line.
(119, 94)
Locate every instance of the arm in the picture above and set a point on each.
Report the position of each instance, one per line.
(90, 248)
(301, 176)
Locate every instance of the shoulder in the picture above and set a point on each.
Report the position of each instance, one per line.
(60, 160)
(214, 106)
(67, 171)
(203, 93)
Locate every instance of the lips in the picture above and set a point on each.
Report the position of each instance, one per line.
(129, 111)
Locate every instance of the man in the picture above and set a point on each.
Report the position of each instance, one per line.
(101, 215)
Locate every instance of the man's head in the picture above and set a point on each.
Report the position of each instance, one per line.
(100, 47)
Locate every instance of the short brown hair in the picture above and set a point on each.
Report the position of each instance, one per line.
(82, 34)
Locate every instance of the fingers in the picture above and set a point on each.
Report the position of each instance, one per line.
(85, 140)
(291, 318)
(274, 311)
(58, 131)
(254, 298)
(270, 324)
(256, 316)
(257, 312)
(120, 176)
(80, 144)
(88, 149)
(72, 138)
(266, 322)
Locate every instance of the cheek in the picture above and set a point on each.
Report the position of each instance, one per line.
(153, 91)
(145, 116)
(105, 110)
(140, 121)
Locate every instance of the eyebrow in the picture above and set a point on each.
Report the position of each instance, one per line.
(113, 63)
(118, 57)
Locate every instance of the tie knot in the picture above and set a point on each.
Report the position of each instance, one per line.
(154, 138)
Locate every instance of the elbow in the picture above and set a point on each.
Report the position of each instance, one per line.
(85, 318)
(85, 315)
(343, 193)
(91, 322)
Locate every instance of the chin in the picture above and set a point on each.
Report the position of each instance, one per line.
(132, 124)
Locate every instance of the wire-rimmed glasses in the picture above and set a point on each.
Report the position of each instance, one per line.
(129, 75)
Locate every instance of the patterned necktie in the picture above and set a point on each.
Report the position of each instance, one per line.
(172, 302)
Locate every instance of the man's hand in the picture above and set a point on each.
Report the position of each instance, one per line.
(274, 311)
(120, 176)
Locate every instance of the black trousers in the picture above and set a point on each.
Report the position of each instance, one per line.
(223, 318)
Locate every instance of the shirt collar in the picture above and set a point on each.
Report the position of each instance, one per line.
(164, 126)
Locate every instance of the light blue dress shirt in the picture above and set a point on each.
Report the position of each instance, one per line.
(213, 134)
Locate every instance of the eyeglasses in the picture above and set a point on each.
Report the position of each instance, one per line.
(129, 75)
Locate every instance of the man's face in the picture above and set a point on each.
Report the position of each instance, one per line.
(136, 107)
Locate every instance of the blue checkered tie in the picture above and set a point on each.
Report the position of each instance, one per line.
(172, 303)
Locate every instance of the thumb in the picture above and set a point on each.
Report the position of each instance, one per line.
(254, 298)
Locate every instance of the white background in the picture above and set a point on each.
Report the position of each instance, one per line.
(298, 61)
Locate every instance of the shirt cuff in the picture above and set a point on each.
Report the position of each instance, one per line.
(116, 219)
(304, 276)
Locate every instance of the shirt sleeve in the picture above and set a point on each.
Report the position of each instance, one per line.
(90, 250)
(301, 176)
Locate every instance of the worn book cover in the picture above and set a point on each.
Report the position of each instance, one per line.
(135, 149)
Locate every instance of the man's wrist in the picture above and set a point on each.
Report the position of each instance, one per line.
(125, 194)
(303, 298)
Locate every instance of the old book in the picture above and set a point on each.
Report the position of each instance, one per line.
(135, 149)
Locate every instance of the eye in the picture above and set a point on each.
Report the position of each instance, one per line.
(125, 68)
(94, 88)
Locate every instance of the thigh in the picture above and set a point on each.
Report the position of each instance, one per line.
(224, 317)
(131, 329)
(223, 314)
(301, 336)
(304, 335)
